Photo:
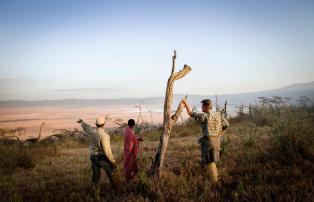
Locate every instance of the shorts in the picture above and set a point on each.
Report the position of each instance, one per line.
(210, 149)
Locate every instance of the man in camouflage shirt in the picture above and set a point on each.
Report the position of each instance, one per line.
(213, 124)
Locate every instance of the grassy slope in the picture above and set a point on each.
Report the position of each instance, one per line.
(253, 168)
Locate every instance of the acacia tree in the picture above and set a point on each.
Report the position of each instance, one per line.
(169, 121)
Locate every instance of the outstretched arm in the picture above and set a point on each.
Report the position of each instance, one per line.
(199, 117)
(187, 107)
(87, 128)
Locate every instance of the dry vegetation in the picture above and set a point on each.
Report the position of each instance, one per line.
(267, 155)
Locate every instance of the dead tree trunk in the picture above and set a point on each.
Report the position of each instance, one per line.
(225, 109)
(216, 104)
(169, 120)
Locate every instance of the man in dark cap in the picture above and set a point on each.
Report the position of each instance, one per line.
(213, 124)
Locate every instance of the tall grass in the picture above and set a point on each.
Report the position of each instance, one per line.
(14, 156)
(17, 156)
(292, 128)
(267, 155)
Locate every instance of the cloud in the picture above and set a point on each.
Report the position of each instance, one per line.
(7, 79)
(17, 79)
(93, 90)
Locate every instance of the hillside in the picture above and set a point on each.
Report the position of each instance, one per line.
(294, 91)
(265, 156)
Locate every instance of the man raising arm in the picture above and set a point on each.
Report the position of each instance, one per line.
(213, 124)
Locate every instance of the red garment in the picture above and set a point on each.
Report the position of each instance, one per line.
(131, 147)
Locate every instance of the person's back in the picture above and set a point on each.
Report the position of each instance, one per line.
(100, 151)
(99, 141)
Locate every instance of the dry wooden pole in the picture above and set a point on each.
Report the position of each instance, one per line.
(34, 140)
(216, 104)
(151, 116)
(40, 129)
(225, 109)
(169, 121)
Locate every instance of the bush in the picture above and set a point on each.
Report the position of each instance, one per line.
(12, 157)
(293, 133)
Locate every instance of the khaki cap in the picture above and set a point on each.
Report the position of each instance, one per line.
(100, 121)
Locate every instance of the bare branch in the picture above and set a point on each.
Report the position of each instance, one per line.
(173, 61)
(182, 73)
(151, 116)
(140, 114)
(225, 109)
(175, 117)
(216, 103)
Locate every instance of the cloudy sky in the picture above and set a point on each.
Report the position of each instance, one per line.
(55, 49)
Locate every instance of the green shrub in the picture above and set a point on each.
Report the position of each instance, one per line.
(293, 133)
(225, 145)
(249, 135)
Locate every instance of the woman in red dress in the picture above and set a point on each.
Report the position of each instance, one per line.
(131, 148)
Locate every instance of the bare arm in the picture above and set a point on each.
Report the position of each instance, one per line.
(199, 117)
(188, 107)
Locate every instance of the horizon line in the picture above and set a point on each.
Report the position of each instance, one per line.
(151, 97)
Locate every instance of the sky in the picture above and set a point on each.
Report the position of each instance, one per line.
(53, 49)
